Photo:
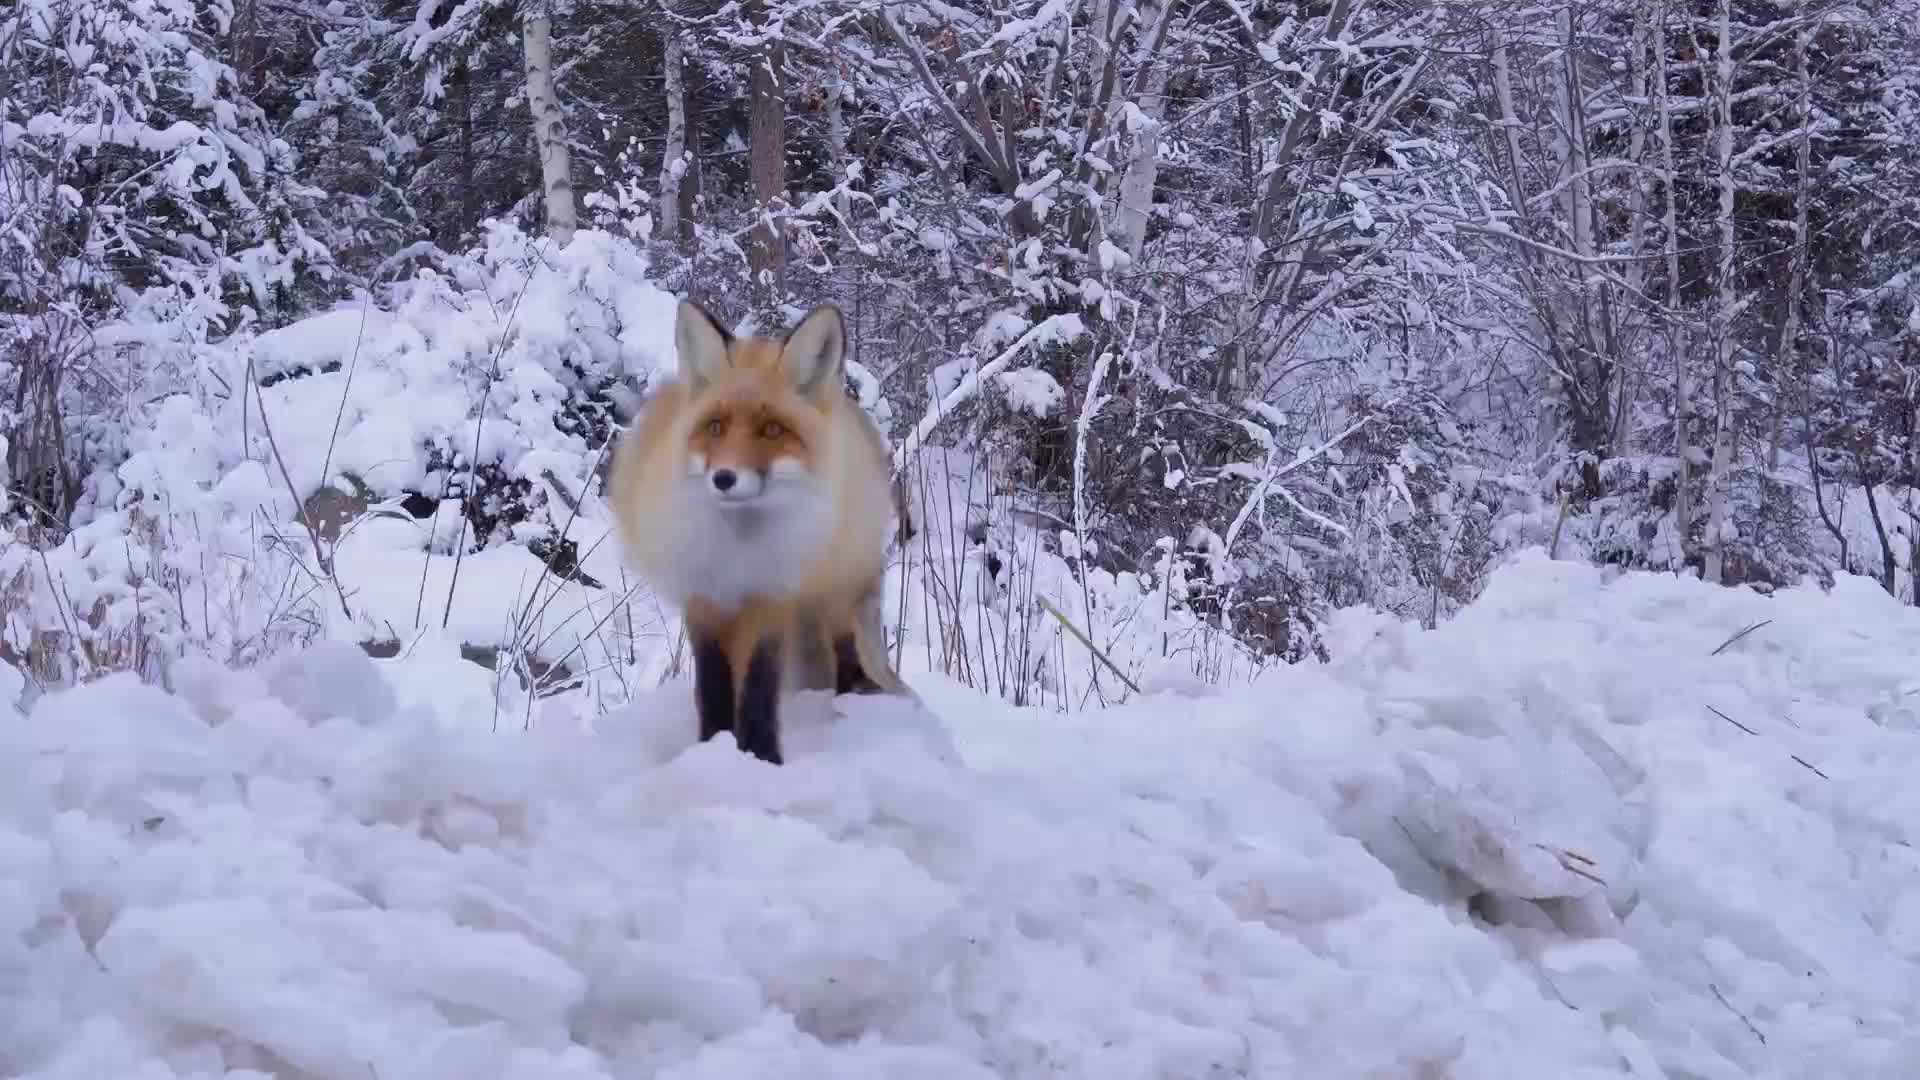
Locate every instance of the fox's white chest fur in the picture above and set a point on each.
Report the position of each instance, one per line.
(725, 554)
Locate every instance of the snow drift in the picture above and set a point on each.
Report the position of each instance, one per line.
(1584, 830)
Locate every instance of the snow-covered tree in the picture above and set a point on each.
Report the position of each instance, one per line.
(150, 207)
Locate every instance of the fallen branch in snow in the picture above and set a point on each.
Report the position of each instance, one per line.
(560, 490)
(1810, 766)
(1731, 720)
(1088, 642)
(1727, 643)
(1743, 1016)
(1567, 858)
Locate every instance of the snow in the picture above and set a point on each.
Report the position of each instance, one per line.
(1586, 828)
(1522, 844)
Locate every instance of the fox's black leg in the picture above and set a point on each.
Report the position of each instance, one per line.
(712, 688)
(760, 703)
(850, 675)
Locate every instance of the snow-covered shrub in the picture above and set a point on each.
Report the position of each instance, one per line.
(1423, 504)
(996, 592)
(150, 207)
(281, 488)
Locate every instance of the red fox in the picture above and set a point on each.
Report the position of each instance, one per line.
(754, 494)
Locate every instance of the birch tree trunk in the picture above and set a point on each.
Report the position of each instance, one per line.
(1575, 195)
(673, 160)
(1714, 567)
(549, 128)
(1682, 390)
(1143, 168)
(837, 135)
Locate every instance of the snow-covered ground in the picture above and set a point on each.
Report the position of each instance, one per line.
(1566, 835)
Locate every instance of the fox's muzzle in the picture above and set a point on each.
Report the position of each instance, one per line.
(736, 485)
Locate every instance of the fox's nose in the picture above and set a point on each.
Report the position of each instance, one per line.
(724, 479)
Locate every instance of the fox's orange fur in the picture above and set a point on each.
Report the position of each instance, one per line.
(755, 495)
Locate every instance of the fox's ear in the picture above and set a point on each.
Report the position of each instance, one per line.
(702, 342)
(815, 355)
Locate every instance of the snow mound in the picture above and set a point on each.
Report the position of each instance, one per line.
(1525, 844)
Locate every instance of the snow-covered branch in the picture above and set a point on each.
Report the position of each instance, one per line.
(1053, 328)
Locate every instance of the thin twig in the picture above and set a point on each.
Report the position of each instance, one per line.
(1803, 762)
(566, 527)
(1810, 766)
(1731, 720)
(1743, 1017)
(322, 560)
(1727, 643)
(346, 385)
(1568, 858)
(534, 265)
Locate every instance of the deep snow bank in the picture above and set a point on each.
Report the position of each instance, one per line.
(317, 871)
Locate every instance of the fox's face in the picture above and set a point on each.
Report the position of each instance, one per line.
(758, 413)
(744, 451)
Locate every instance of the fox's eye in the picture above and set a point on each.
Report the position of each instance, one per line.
(716, 428)
(772, 429)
